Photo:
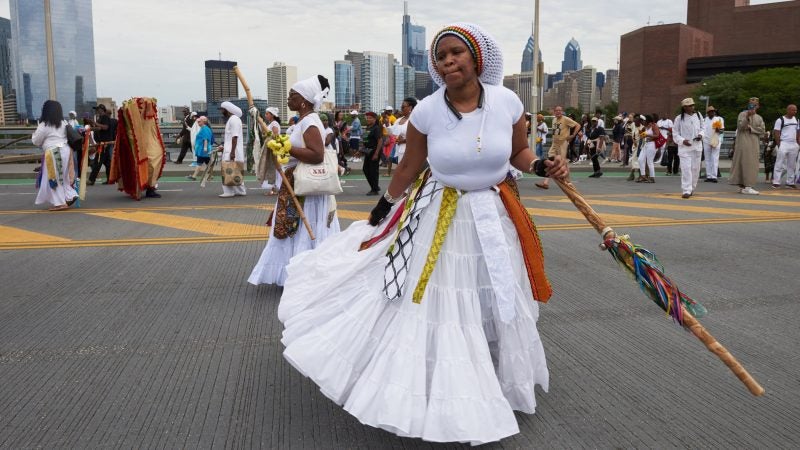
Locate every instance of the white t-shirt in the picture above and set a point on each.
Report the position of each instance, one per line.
(399, 130)
(601, 123)
(664, 125)
(453, 144)
(329, 132)
(541, 132)
(789, 130)
(233, 127)
(708, 128)
(296, 138)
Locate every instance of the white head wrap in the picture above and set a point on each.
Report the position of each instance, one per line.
(231, 108)
(311, 90)
(273, 110)
(484, 49)
(73, 113)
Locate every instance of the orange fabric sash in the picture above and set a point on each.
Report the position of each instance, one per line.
(528, 239)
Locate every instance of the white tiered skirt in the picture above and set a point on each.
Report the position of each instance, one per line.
(445, 370)
(271, 266)
(65, 191)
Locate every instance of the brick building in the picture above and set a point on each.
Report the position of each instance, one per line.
(660, 65)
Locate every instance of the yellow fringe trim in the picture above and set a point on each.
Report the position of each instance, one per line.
(446, 212)
(50, 160)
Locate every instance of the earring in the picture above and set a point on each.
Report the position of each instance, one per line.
(303, 105)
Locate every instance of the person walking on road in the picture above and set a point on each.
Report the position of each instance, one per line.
(233, 147)
(750, 129)
(787, 140)
(56, 179)
(185, 134)
(564, 131)
(687, 132)
(203, 146)
(287, 235)
(714, 132)
(437, 340)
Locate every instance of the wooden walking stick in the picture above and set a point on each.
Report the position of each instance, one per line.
(263, 127)
(650, 275)
(87, 135)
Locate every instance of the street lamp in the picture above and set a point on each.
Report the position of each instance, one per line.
(706, 98)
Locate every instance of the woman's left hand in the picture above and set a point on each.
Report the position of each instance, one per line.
(557, 168)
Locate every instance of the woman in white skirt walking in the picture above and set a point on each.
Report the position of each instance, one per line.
(288, 237)
(422, 321)
(57, 176)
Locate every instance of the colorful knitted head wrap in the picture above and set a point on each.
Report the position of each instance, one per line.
(484, 49)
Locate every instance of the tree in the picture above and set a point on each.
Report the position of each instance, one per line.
(729, 92)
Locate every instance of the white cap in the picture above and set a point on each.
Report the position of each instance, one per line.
(273, 110)
(388, 108)
(193, 114)
(354, 113)
(73, 113)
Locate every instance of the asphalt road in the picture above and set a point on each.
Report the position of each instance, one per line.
(130, 324)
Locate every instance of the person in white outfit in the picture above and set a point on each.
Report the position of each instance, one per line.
(400, 127)
(687, 132)
(787, 139)
(713, 134)
(57, 176)
(288, 236)
(233, 146)
(425, 325)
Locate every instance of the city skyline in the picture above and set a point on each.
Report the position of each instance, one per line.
(135, 65)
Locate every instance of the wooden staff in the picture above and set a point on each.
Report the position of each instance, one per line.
(689, 321)
(85, 162)
(263, 126)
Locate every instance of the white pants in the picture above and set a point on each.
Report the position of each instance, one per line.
(235, 190)
(690, 169)
(787, 156)
(712, 160)
(647, 160)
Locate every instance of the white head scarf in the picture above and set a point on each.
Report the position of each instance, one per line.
(231, 108)
(273, 110)
(484, 49)
(311, 90)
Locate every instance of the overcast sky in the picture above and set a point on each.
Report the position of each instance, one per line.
(157, 48)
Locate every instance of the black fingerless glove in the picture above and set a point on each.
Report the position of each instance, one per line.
(539, 168)
(379, 212)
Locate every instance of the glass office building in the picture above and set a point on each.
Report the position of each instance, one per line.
(344, 81)
(572, 57)
(73, 55)
(413, 43)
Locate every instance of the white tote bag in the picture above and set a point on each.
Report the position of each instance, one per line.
(318, 179)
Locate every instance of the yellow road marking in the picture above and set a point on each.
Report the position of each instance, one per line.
(613, 218)
(205, 226)
(749, 201)
(352, 215)
(684, 208)
(251, 238)
(17, 235)
(147, 208)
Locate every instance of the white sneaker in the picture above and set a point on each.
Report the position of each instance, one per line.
(226, 195)
(749, 191)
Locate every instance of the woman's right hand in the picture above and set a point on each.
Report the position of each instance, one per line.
(379, 212)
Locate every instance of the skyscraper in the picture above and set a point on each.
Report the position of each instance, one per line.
(587, 89)
(572, 57)
(404, 84)
(221, 81)
(413, 43)
(527, 56)
(600, 80)
(6, 64)
(71, 69)
(357, 59)
(376, 84)
(280, 79)
(344, 81)
(221, 85)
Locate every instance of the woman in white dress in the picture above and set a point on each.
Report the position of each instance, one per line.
(400, 127)
(57, 176)
(268, 179)
(288, 237)
(425, 325)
